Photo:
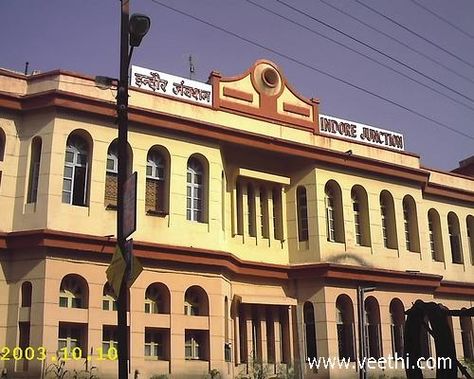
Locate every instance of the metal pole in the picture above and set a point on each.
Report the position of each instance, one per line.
(362, 338)
(122, 121)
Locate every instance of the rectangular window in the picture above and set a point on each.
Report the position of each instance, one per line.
(240, 209)
(71, 336)
(270, 340)
(196, 345)
(109, 338)
(192, 347)
(251, 210)
(155, 343)
(277, 214)
(264, 213)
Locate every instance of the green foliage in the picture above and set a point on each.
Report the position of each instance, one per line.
(469, 363)
(214, 373)
(86, 373)
(286, 372)
(57, 370)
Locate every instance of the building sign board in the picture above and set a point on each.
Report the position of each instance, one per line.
(175, 86)
(333, 126)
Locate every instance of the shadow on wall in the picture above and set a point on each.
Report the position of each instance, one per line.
(347, 258)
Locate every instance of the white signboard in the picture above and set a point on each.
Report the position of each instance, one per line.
(171, 85)
(339, 127)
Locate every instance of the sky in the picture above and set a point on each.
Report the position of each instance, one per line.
(405, 66)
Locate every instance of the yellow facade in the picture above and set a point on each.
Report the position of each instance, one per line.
(286, 222)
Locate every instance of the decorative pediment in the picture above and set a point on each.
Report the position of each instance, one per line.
(263, 92)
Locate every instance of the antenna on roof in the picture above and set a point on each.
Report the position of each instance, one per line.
(191, 67)
(26, 67)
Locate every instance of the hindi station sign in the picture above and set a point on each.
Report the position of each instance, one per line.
(339, 127)
(175, 86)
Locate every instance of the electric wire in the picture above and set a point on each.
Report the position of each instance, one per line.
(359, 53)
(442, 19)
(426, 56)
(313, 68)
(415, 33)
(374, 49)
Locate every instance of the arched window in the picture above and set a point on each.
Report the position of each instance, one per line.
(73, 292)
(251, 210)
(111, 173)
(76, 171)
(108, 298)
(360, 208)
(410, 221)
(334, 214)
(345, 327)
(373, 334)
(436, 238)
(397, 324)
(26, 290)
(389, 228)
(310, 329)
(467, 337)
(470, 235)
(454, 238)
(111, 176)
(2, 144)
(302, 210)
(33, 180)
(157, 299)
(156, 182)
(195, 191)
(196, 302)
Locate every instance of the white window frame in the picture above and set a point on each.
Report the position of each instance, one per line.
(112, 156)
(155, 163)
(330, 220)
(74, 147)
(356, 205)
(192, 346)
(72, 292)
(153, 300)
(432, 238)
(195, 190)
(406, 224)
(109, 338)
(68, 341)
(108, 298)
(153, 347)
(192, 304)
(383, 213)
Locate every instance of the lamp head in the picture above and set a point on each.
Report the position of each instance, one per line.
(139, 25)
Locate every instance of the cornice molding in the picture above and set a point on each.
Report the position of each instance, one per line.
(225, 262)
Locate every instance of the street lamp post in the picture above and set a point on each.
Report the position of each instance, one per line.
(132, 30)
(363, 353)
